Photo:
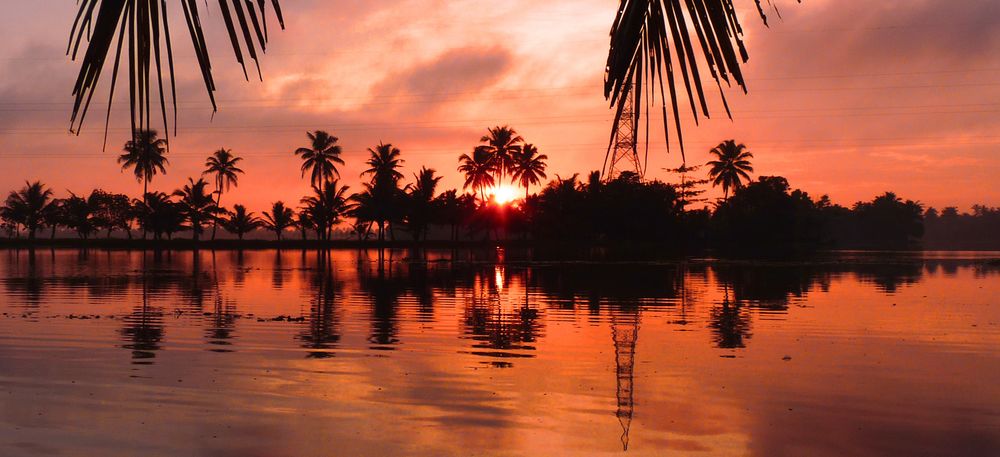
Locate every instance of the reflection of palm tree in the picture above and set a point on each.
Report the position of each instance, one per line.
(730, 323)
(323, 333)
(731, 167)
(223, 166)
(143, 329)
(320, 158)
(529, 167)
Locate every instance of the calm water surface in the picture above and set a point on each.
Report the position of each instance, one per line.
(288, 353)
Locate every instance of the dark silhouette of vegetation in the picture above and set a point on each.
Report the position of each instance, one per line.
(196, 205)
(321, 158)
(762, 217)
(223, 166)
(279, 219)
(145, 154)
(240, 221)
(27, 207)
(731, 166)
(949, 229)
(147, 40)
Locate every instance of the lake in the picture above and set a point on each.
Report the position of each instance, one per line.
(292, 353)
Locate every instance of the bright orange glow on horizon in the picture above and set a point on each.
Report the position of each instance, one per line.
(504, 194)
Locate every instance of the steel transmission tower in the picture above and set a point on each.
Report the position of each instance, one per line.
(622, 152)
(624, 331)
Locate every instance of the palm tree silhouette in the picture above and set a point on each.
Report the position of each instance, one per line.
(196, 205)
(240, 221)
(732, 166)
(223, 166)
(28, 206)
(279, 218)
(384, 163)
(502, 144)
(326, 207)
(320, 158)
(529, 167)
(478, 170)
(421, 202)
(144, 154)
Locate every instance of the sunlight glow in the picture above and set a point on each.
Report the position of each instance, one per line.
(504, 194)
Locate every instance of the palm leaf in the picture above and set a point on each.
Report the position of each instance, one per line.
(651, 42)
(143, 32)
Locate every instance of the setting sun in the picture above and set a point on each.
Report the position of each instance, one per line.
(504, 194)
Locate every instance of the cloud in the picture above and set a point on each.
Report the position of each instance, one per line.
(431, 84)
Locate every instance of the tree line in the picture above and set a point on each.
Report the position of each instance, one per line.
(762, 214)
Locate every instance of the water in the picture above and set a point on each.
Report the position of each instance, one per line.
(264, 353)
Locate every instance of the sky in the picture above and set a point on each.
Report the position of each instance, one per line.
(849, 98)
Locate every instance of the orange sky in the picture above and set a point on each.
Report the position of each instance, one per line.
(846, 97)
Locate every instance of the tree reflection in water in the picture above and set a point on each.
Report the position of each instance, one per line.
(500, 325)
(322, 335)
(144, 328)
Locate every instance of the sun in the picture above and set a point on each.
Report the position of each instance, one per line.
(504, 194)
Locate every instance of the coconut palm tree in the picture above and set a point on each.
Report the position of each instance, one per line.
(421, 205)
(502, 144)
(320, 158)
(478, 170)
(529, 167)
(303, 223)
(279, 219)
(240, 221)
(80, 213)
(383, 163)
(731, 167)
(326, 208)
(145, 155)
(27, 206)
(196, 205)
(223, 166)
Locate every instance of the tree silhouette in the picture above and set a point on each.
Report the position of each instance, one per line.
(383, 163)
(529, 167)
(223, 166)
(731, 167)
(279, 219)
(502, 145)
(385, 196)
(478, 170)
(325, 208)
(27, 206)
(320, 158)
(196, 205)
(145, 155)
(421, 204)
(240, 222)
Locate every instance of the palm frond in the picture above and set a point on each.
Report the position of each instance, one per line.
(652, 47)
(141, 28)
